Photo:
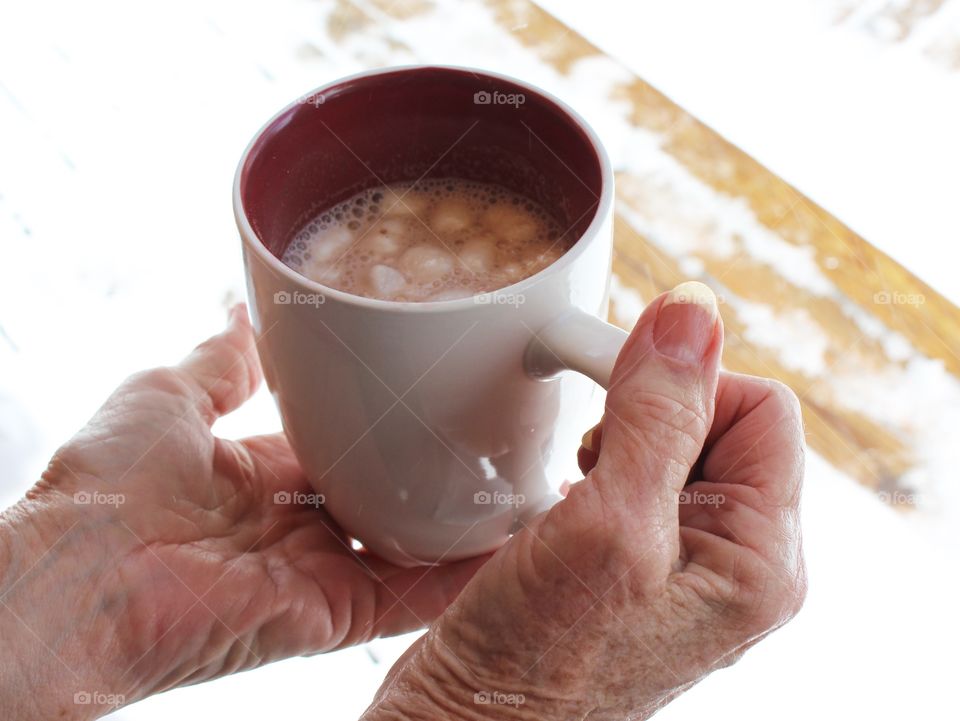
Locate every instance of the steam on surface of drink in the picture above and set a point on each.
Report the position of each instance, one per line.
(441, 239)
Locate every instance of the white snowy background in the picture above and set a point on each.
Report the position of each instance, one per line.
(121, 127)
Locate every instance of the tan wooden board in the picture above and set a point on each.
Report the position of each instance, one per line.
(871, 304)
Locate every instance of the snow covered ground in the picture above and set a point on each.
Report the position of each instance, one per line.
(122, 125)
(826, 93)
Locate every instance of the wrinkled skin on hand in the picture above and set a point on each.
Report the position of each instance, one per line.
(678, 551)
(180, 567)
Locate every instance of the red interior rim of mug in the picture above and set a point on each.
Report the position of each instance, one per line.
(402, 124)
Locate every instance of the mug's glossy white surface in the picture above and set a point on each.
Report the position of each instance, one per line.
(421, 423)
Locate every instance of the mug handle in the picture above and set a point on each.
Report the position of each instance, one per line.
(575, 341)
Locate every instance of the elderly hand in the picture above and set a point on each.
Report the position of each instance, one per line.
(679, 550)
(152, 554)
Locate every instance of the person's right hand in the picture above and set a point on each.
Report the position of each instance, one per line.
(679, 550)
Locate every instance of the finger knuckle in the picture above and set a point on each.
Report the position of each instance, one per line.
(594, 539)
(772, 607)
(676, 416)
(160, 378)
(764, 598)
(800, 588)
(729, 659)
(785, 399)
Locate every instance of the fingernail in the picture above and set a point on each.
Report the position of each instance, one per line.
(685, 322)
(590, 440)
(587, 440)
(235, 313)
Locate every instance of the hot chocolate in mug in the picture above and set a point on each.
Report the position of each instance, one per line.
(431, 430)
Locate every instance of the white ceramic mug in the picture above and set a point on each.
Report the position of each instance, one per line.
(432, 430)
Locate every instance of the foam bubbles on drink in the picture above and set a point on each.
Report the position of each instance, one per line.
(441, 239)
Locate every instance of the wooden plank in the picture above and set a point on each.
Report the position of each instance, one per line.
(692, 205)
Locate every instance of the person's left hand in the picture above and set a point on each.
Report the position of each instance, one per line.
(153, 554)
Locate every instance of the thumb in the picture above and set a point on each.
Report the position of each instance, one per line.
(225, 369)
(660, 407)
